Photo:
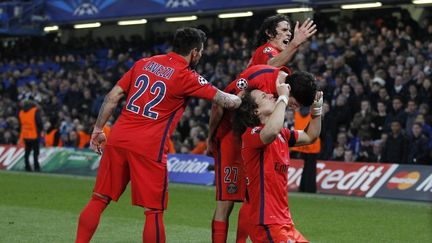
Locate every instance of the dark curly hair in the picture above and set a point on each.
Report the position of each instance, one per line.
(269, 25)
(245, 116)
(186, 39)
(303, 87)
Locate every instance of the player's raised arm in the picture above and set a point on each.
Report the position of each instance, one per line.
(227, 101)
(313, 129)
(275, 122)
(301, 34)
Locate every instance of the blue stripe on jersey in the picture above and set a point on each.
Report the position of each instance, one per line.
(269, 237)
(161, 150)
(262, 199)
(292, 140)
(262, 71)
(157, 228)
(164, 189)
(219, 164)
(270, 56)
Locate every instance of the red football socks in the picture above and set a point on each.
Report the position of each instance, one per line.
(154, 229)
(243, 223)
(219, 231)
(89, 218)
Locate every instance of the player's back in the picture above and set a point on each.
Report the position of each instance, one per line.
(156, 89)
(263, 54)
(262, 77)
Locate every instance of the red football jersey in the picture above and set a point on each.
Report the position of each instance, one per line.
(263, 54)
(267, 173)
(157, 89)
(262, 77)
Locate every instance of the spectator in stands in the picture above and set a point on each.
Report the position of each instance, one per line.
(381, 122)
(395, 149)
(366, 150)
(341, 112)
(200, 144)
(362, 120)
(418, 152)
(376, 54)
(348, 156)
(397, 112)
(411, 114)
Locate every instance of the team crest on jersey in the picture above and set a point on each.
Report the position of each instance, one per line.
(255, 130)
(232, 188)
(242, 84)
(267, 49)
(202, 80)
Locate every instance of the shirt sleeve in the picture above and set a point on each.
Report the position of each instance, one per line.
(126, 80)
(291, 136)
(251, 138)
(197, 86)
(266, 54)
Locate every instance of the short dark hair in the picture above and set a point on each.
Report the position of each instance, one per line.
(244, 116)
(303, 87)
(269, 25)
(186, 39)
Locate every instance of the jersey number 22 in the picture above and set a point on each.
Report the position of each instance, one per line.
(158, 89)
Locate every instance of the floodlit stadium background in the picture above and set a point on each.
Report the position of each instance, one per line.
(66, 55)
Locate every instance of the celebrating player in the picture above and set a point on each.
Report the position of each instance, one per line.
(156, 89)
(274, 44)
(265, 153)
(229, 171)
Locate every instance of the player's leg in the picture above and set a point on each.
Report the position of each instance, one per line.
(149, 185)
(111, 181)
(243, 223)
(90, 217)
(220, 221)
(276, 233)
(154, 228)
(230, 184)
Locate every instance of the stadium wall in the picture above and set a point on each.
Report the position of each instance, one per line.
(377, 180)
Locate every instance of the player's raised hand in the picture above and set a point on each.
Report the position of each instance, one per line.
(283, 89)
(316, 108)
(303, 32)
(97, 140)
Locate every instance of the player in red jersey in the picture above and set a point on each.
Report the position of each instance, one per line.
(225, 148)
(157, 89)
(265, 152)
(274, 44)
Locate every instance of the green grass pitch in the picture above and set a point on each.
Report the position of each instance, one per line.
(45, 208)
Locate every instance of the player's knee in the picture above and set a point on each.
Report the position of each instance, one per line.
(148, 212)
(101, 198)
(223, 209)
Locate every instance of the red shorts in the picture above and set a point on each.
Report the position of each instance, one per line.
(276, 233)
(149, 179)
(229, 170)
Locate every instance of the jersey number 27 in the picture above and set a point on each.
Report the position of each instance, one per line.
(158, 89)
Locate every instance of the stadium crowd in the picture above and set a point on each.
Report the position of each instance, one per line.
(375, 74)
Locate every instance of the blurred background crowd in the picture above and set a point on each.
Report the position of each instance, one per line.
(375, 73)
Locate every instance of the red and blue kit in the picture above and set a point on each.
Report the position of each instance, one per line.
(229, 171)
(267, 173)
(263, 54)
(157, 89)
